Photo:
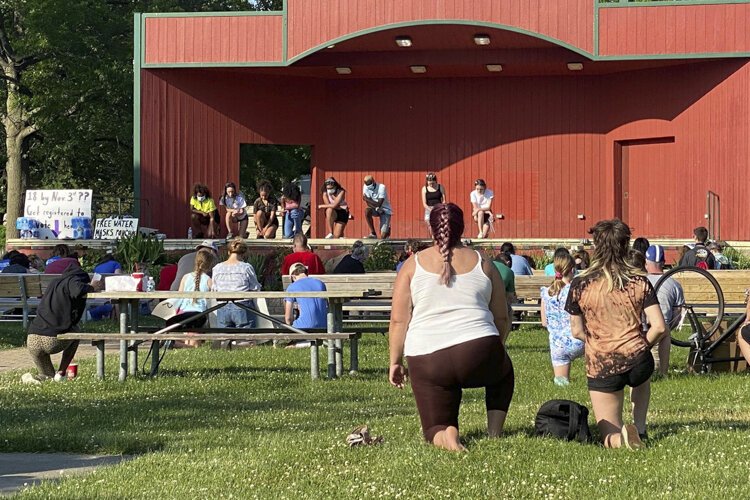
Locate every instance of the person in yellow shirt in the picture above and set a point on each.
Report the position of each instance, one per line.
(204, 214)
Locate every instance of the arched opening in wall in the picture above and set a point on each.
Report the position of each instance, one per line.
(280, 165)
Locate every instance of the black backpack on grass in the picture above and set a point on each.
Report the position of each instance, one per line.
(563, 419)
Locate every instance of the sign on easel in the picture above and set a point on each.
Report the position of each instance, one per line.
(113, 228)
(56, 208)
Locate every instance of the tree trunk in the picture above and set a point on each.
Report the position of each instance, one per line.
(17, 129)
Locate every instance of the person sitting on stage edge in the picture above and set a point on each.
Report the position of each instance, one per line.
(432, 194)
(60, 309)
(311, 311)
(303, 254)
(265, 207)
(376, 198)
(236, 218)
(481, 207)
(337, 210)
(449, 319)
(204, 215)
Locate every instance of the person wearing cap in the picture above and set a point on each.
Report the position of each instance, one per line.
(481, 207)
(376, 198)
(671, 299)
(203, 213)
(335, 206)
(311, 311)
(186, 264)
(303, 254)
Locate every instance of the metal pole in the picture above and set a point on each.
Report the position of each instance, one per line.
(123, 343)
(331, 328)
(133, 352)
(154, 357)
(99, 359)
(314, 361)
(339, 317)
(354, 356)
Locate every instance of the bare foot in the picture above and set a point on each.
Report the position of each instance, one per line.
(448, 440)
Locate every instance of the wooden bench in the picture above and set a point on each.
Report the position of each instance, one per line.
(99, 340)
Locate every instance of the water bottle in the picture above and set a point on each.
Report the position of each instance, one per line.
(150, 284)
(190, 233)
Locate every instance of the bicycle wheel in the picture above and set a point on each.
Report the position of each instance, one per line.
(702, 310)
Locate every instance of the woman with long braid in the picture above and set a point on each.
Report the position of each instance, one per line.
(450, 320)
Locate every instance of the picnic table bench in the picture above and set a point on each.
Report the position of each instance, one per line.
(131, 332)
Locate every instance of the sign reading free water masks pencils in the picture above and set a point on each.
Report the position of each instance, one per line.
(56, 208)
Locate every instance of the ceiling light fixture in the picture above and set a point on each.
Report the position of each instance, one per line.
(418, 69)
(482, 39)
(344, 70)
(403, 41)
(575, 66)
(331, 46)
(494, 68)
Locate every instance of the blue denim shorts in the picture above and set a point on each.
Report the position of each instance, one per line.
(233, 316)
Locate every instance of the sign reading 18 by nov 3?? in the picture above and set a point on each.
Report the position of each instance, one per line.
(113, 228)
(56, 208)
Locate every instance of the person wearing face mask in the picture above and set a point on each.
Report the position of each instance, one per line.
(481, 204)
(376, 198)
(335, 206)
(204, 215)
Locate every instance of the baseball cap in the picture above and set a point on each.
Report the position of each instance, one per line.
(208, 244)
(296, 267)
(655, 253)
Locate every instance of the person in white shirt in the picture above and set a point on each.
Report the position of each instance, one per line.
(481, 207)
(376, 198)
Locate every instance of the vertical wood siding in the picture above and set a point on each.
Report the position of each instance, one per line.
(674, 29)
(227, 39)
(315, 22)
(545, 145)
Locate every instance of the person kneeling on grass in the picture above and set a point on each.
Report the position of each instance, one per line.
(563, 347)
(606, 302)
(312, 311)
(61, 308)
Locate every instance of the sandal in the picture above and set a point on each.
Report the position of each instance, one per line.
(361, 436)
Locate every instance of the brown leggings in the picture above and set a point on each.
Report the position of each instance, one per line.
(41, 346)
(437, 380)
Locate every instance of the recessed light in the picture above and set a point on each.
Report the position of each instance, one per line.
(343, 70)
(418, 69)
(403, 41)
(575, 66)
(482, 39)
(495, 68)
(331, 46)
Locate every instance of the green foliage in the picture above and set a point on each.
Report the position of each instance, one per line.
(381, 258)
(2, 237)
(90, 259)
(258, 261)
(136, 249)
(277, 164)
(738, 259)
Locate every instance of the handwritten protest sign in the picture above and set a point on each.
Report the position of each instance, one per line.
(113, 228)
(55, 209)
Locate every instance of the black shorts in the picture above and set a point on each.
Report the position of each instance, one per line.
(206, 219)
(745, 332)
(486, 218)
(342, 216)
(198, 323)
(642, 370)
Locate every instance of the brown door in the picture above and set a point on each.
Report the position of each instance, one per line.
(647, 193)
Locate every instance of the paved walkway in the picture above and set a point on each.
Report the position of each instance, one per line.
(19, 359)
(19, 470)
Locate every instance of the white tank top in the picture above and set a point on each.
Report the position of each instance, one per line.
(446, 316)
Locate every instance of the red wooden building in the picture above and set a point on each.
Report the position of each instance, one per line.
(571, 110)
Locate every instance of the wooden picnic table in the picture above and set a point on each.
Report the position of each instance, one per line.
(128, 303)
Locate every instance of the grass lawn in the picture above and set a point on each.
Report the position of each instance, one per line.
(251, 424)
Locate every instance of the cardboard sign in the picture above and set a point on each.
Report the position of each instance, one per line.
(55, 209)
(113, 228)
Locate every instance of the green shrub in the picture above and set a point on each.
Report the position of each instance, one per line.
(381, 258)
(138, 249)
(739, 259)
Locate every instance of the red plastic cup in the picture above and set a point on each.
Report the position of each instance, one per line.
(72, 371)
(139, 284)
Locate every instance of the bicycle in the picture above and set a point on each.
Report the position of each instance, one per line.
(704, 311)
